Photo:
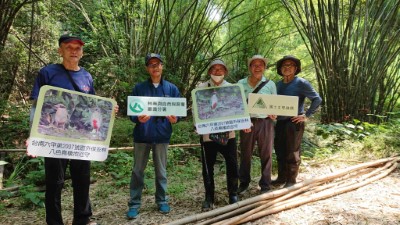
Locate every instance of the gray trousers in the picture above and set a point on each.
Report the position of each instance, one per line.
(140, 159)
(262, 132)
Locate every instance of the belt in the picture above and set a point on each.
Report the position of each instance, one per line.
(253, 119)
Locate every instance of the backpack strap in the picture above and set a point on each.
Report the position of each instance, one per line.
(260, 86)
(71, 80)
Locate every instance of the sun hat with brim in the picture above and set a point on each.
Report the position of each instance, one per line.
(217, 62)
(152, 56)
(288, 57)
(66, 38)
(249, 61)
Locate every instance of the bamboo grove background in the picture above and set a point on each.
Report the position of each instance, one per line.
(349, 49)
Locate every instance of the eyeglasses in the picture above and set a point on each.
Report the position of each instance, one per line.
(257, 65)
(154, 65)
(288, 65)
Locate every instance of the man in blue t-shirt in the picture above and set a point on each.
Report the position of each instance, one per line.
(151, 133)
(289, 130)
(68, 75)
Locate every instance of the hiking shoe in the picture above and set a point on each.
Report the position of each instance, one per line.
(278, 182)
(289, 184)
(264, 190)
(164, 208)
(242, 188)
(132, 213)
(207, 205)
(233, 199)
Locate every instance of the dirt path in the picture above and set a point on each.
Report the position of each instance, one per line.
(376, 203)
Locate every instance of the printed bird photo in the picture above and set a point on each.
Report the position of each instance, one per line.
(74, 116)
(214, 103)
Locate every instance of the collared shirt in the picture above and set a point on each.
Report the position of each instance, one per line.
(302, 88)
(268, 89)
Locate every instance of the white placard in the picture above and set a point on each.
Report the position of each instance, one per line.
(223, 125)
(67, 150)
(71, 125)
(156, 106)
(281, 105)
(219, 109)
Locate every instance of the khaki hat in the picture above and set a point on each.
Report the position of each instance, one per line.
(217, 62)
(249, 61)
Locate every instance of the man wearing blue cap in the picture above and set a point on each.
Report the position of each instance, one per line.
(151, 133)
(68, 75)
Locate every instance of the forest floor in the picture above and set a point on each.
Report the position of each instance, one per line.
(375, 203)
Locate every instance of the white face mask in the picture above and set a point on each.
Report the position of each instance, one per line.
(217, 79)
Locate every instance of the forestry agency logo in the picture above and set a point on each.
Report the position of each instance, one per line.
(136, 106)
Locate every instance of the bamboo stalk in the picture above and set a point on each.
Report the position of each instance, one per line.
(264, 204)
(319, 196)
(275, 194)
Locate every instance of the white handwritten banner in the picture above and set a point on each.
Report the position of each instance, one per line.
(156, 106)
(281, 105)
(219, 109)
(71, 125)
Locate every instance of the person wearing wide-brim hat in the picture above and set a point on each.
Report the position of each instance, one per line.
(217, 71)
(289, 130)
(261, 131)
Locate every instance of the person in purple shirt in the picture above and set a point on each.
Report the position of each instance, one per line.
(289, 130)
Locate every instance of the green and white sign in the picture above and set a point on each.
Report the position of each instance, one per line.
(156, 106)
(281, 105)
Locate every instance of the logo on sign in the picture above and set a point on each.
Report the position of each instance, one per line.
(260, 104)
(136, 106)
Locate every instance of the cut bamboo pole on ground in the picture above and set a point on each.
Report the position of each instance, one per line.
(226, 215)
(316, 197)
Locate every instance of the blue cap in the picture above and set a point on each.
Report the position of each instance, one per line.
(151, 56)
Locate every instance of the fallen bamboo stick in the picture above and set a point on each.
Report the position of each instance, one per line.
(325, 178)
(265, 204)
(319, 196)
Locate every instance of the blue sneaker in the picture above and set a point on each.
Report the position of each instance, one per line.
(132, 213)
(164, 208)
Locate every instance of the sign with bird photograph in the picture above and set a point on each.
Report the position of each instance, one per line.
(280, 105)
(156, 106)
(71, 125)
(220, 109)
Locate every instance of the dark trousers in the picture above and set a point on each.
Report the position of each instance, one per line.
(55, 176)
(209, 158)
(288, 137)
(262, 132)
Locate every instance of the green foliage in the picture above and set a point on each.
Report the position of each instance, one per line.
(118, 165)
(31, 197)
(16, 173)
(182, 176)
(105, 191)
(122, 134)
(184, 132)
(343, 131)
(36, 173)
(14, 126)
